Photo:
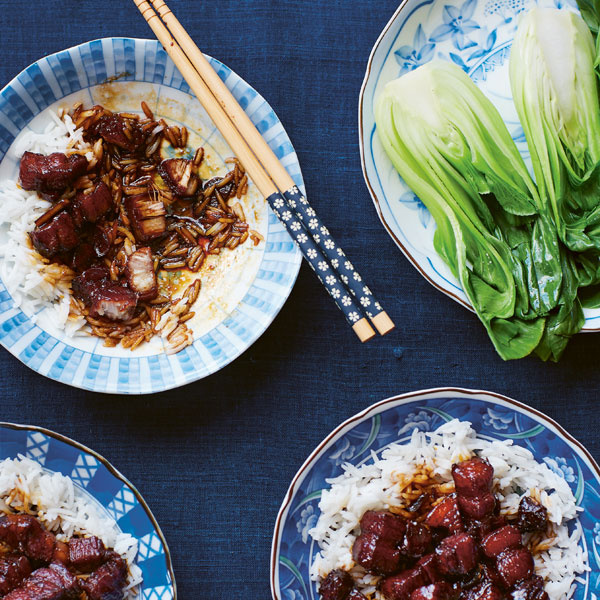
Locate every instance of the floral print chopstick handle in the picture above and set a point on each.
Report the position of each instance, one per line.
(321, 266)
(335, 255)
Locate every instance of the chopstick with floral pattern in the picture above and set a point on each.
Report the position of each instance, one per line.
(277, 172)
(229, 125)
(255, 170)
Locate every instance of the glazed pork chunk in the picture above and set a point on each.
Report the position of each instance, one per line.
(179, 175)
(57, 236)
(86, 554)
(141, 275)
(91, 206)
(14, 568)
(52, 174)
(119, 131)
(147, 217)
(473, 482)
(377, 548)
(25, 534)
(48, 583)
(102, 297)
(107, 582)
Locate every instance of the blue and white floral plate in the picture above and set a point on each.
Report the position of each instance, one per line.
(239, 298)
(113, 495)
(477, 36)
(493, 416)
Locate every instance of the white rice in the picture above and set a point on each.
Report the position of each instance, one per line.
(374, 485)
(64, 510)
(42, 290)
(27, 278)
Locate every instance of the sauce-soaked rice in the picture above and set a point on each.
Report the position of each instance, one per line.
(127, 157)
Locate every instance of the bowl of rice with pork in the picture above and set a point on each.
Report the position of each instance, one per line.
(72, 527)
(135, 253)
(441, 495)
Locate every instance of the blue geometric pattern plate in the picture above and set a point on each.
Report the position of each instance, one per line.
(113, 495)
(477, 36)
(239, 299)
(494, 417)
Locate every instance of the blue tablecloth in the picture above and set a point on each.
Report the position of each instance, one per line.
(214, 459)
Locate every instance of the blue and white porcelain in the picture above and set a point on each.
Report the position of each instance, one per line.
(238, 300)
(477, 36)
(493, 416)
(113, 495)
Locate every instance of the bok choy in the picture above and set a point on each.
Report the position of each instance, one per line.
(590, 11)
(450, 145)
(555, 91)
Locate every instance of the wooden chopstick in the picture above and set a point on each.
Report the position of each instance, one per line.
(255, 170)
(276, 171)
(311, 252)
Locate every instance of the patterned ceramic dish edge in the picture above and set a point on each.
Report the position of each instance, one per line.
(494, 416)
(113, 494)
(90, 64)
(476, 35)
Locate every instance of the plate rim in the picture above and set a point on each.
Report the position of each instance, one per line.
(260, 330)
(401, 399)
(374, 197)
(113, 471)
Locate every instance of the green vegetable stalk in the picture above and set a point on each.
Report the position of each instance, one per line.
(450, 145)
(555, 91)
(590, 11)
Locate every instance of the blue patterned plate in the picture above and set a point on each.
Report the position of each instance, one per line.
(113, 495)
(239, 299)
(477, 36)
(493, 417)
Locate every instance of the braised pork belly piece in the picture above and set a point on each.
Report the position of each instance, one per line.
(54, 582)
(91, 205)
(532, 515)
(102, 296)
(446, 515)
(336, 586)
(107, 582)
(55, 237)
(179, 174)
(402, 585)
(86, 554)
(51, 174)
(25, 534)
(473, 477)
(147, 217)
(124, 133)
(141, 275)
(505, 538)
(456, 555)
(38, 566)
(14, 568)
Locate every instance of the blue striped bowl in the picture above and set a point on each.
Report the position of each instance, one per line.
(102, 485)
(256, 288)
(367, 434)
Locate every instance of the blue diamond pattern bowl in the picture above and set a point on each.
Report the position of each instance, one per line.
(112, 493)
